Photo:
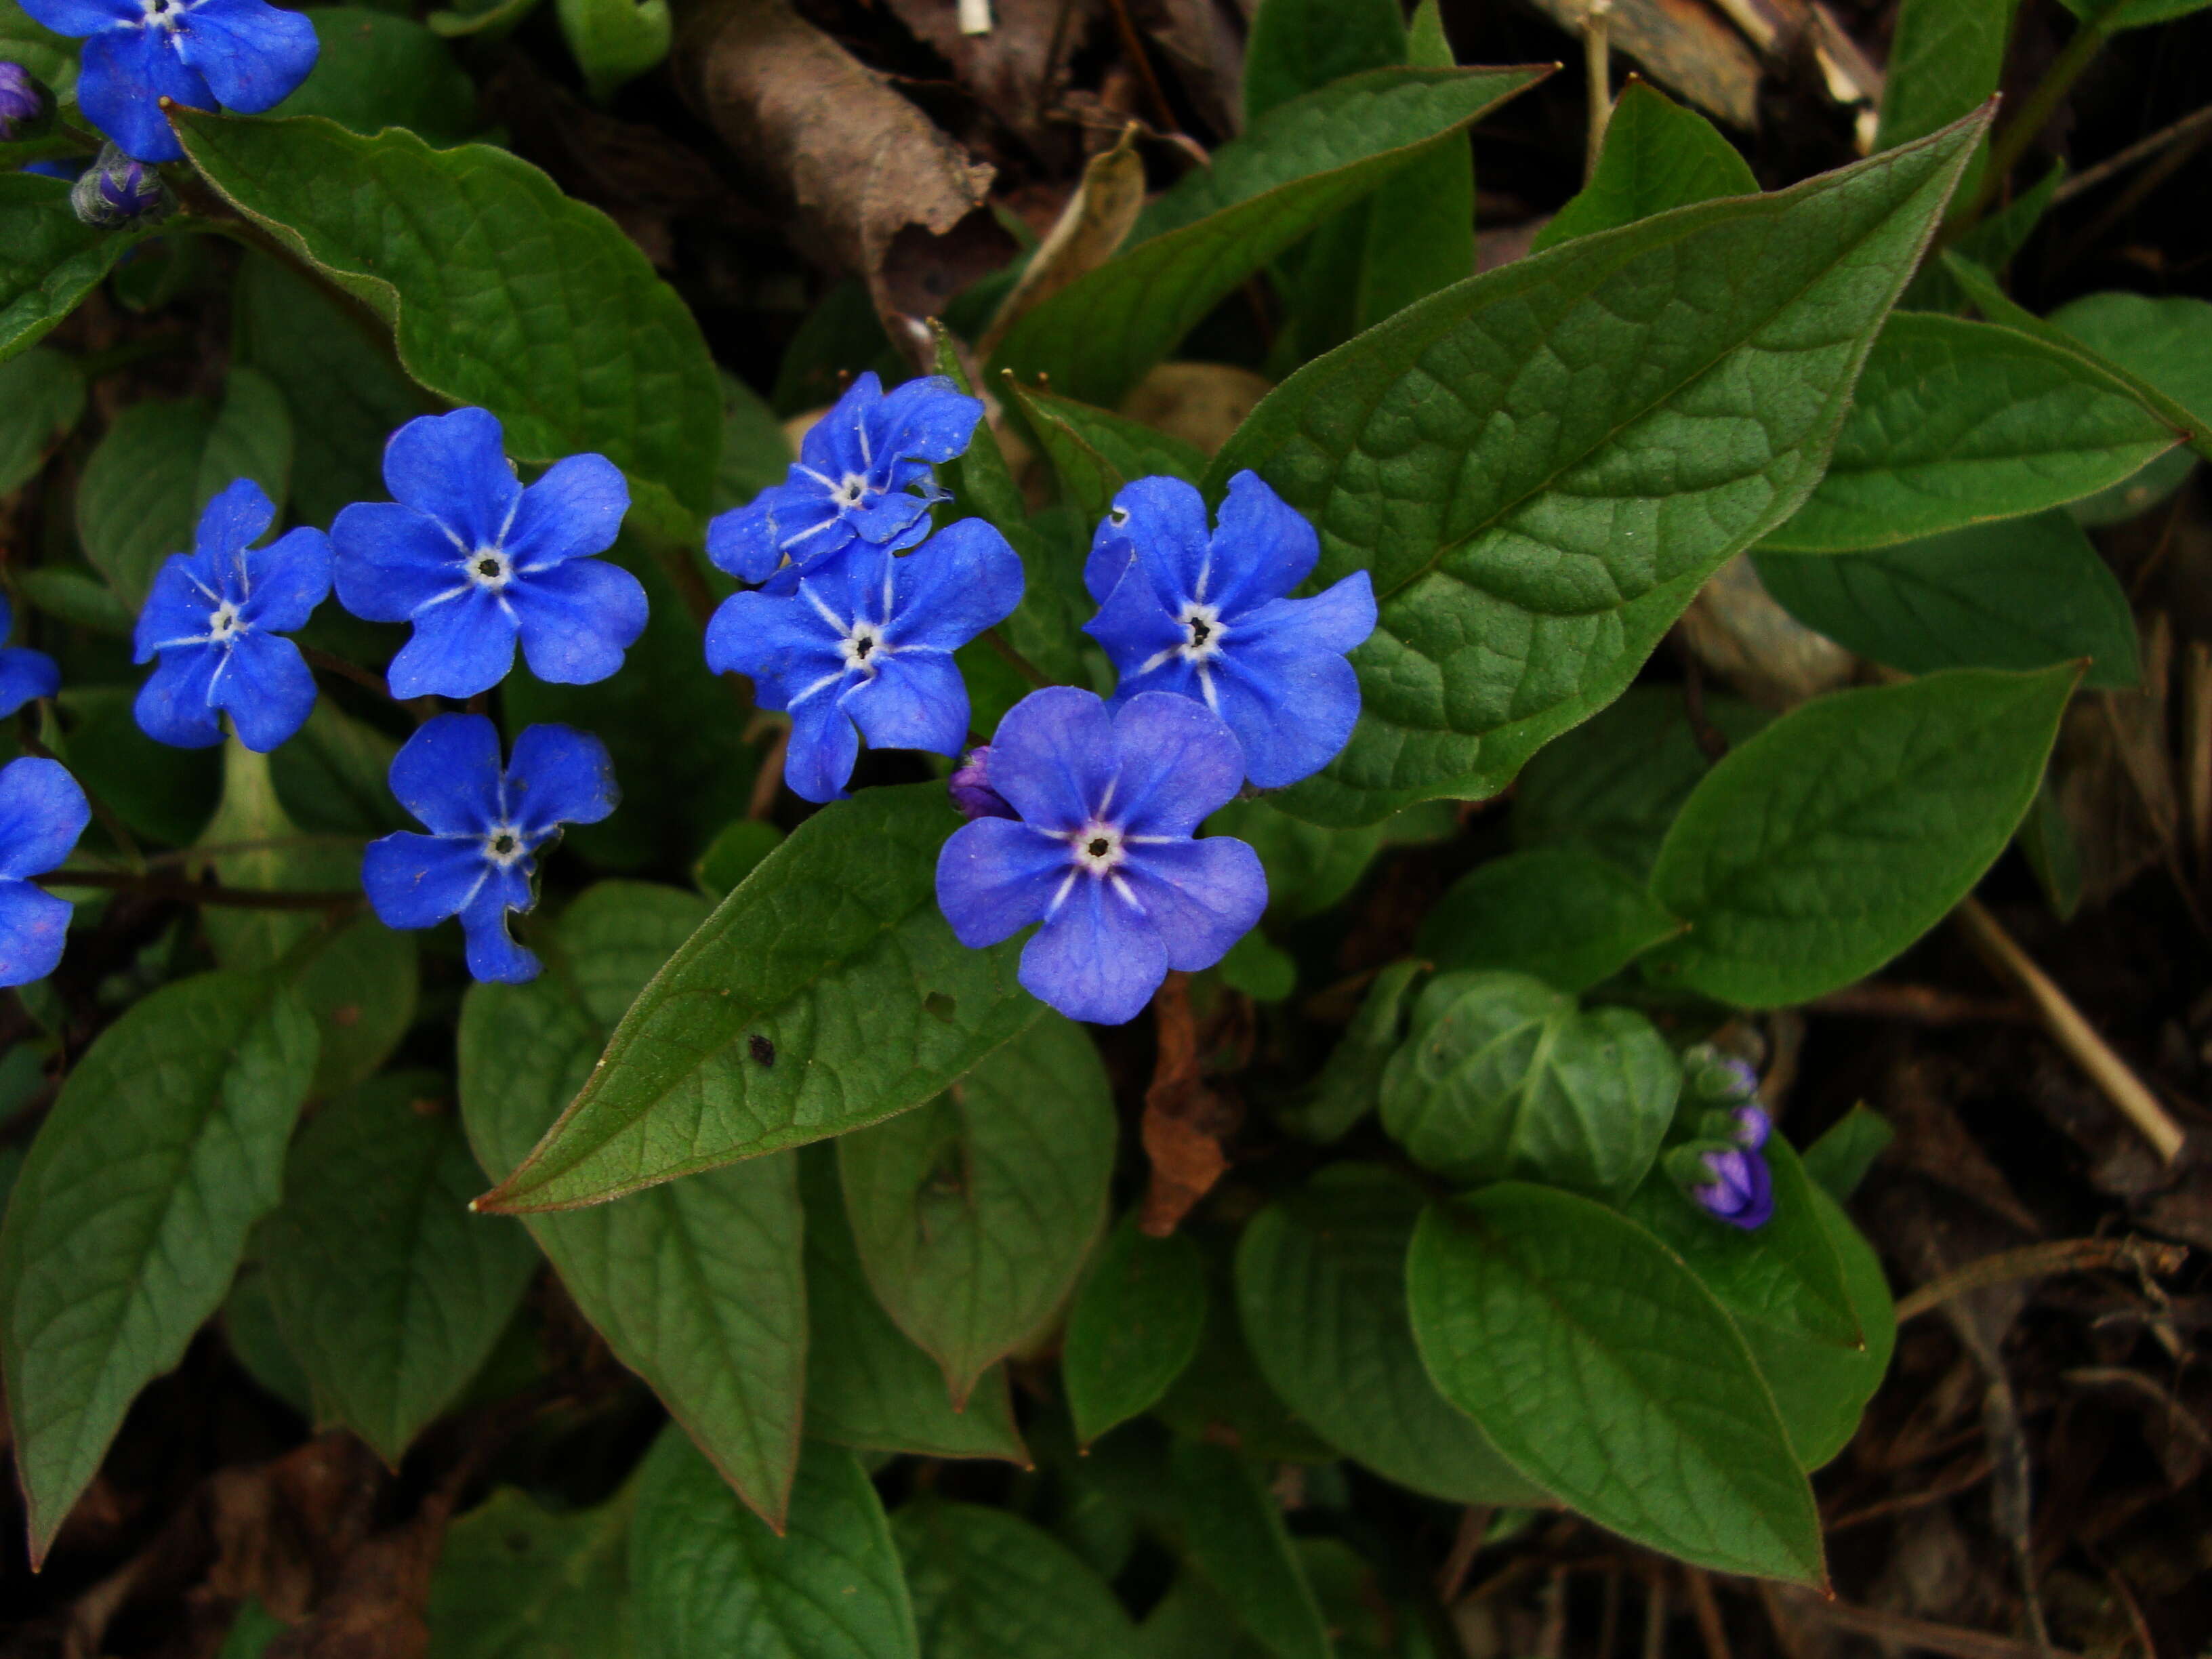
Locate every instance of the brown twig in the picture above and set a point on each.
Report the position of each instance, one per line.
(1710, 1630)
(1134, 44)
(1923, 1634)
(1973, 1476)
(2070, 1256)
(1467, 1544)
(196, 892)
(2089, 177)
(761, 805)
(1918, 1005)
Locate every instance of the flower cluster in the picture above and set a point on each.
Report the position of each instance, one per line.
(1723, 1170)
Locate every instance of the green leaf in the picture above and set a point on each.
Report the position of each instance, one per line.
(1945, 59)
(1657, 156)
(1260, 968)
(252, 1632)
(1540, 466)
(1309, 868)
(1233, 1529)
(615, 40)
(49, 56)
(72, 597)
(1822, 847)
(2132, 14)
(1301, 45)
(2024, 593)
(2167, 344)
(389, 1291)
(1501, 1075)
(715, 1583)
(48, 260)
(249, 1330)
(492, 19)
(1093, 452)
(735, 853)
(1420, 225)
(988, 1585)
(1321, 1278)
(251, 816)
(362, 986)
(1306, 161)
(161, 792)
(755, 454)
(1561, 913)
(41, 396)
(377, 70)
(697, 1287)
(1954, 423)
(974, 1211)
(252, 438)
(1846, 1150)
(481, 268)
(1351, 1081)
(1656, 1423)
(867, 1385)
(797, 1012)
(518, 1581)
(331, 778)
(1135, 1325)
(131, 1215)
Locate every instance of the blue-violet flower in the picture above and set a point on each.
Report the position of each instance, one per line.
(42, 812)
(1102, 852)
(1204, 616)
(867, 641)
(24, 673)
(1723, 1171)
(214, 619)
(118, 190)
(243, 55)
(863, 474)
(27, 108)
(486, 826)
(475, 560)
(969, 785)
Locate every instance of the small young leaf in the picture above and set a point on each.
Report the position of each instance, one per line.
(1233, 1529)
(1805, 859)
(713, 1581)
(387, 1289)
(1135, 1325)
(1657, 156)
(1321, 1278)
(615, 40)
(131, 1211)
(988, 1585)
(1840, 1158)
(49, 261)
(516, 1578)
(1351, 1081)
(1093, 452)
(1654, 1422)
(1563, 914)
(41, 396)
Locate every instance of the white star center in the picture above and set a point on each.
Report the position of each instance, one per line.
(1203, 632)
(850, 492)
(1097, 848)
(863, 647)
(503, 845)
(488, 566)
(223, 625)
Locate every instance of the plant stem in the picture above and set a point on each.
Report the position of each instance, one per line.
(2011, 143)
(197, 892)
(1028, 670)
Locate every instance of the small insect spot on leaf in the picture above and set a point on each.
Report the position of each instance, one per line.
(938, 1006)
(346, 1014)
(761, 1049)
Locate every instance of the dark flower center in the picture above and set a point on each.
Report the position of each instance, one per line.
(1200, 630)
(862, 646)
(488, 569)
(502, 844)
(1099, 846)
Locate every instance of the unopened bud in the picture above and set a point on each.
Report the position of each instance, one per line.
(1730, 1183)
(115, 190)
(971, 787)
(27, 108)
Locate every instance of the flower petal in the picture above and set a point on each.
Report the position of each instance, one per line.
(1294, 711)
(996, 876)
(34, 931)
(917, 702)
(1175, 763)
(417, 881)
(818, 761)
(964, 579)
(287, 580)
(1201, 895)
(447, 774)
(252, 55)
(123, 75)
(25, 674)
(236, 517)
(452, 468)
(1111, 555)
(389, 560)
(177, 607)
(575, 509)
(577, 619)
(460, 647)
(1263, 547)
(891, 518)
(926, 419)
(493, 956)
(559, 775)
(1098, 959)
(83, 17)
(1166, 526)
(832, 445)
(784, 643)
(1338, 619)
(43, 811)
(1053, 757)
(1134, 630)
(267, 689)
(173, 706)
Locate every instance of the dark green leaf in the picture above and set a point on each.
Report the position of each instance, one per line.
(735, 853)
(1563, 914)
(1656, 1423)
(2166, 342)
(1806, 859)
(1093, 452)
(1657, 156)
(1309, 868)
(1420, 225)
(2132, 14)
(1541, 465)
(1321, 1278)
(267, 851)
(71, 596)
(1260, 968)
(48, 261)
(615, 40)
(1840, 1158)
(1222, 1397)
(332, 778)
(1301, 45)
(795, 1013)
(1233, 1529)
(1135, 1324)
(377, 70)
(249, 1329)
(517, 1581)
(974, 1211)
(361, 987)
(1351, 1081)
(131, 1215)
(51, 57)
(988, 1585)
(41, 395)
(755, 454)
(163, 793)
(715, 1583)
(1945, 59)
(391, 1293)
(697, 1286)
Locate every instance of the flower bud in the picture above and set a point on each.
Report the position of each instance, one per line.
(115, 190)
(27, 108)
(1730, 1183)
(1719, 1079)
(971, 787)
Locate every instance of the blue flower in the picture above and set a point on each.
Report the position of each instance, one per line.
(474, 560)
(1102, 852)
(116, 190)
(26, 107)
(213, 618)
(855, 480)
(42, 812)
(1204, 616)
(24, 673)
(969, 785)
(485, 826)
(231, 54)
(867, 640)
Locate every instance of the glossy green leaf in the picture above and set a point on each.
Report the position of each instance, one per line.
(1350, 1082)
(615, 40)
(867, 1385)
(519, 1581)
(1135, 1324)
(1315, 155)
(2165, 342)
(1094, 453)
(131, 1212)
(1500, 1075)
(713, 1582)
(1233, 1529)
(1846, 1150)
(1540, 466)
(1300, 45)
(1653, 1421)
(362, 986)
(389, 1291)
(1822, 847)
(797, 1012)
(697, 1287)
(1562, 914)
(1321, 1280)
(974, 1211)
(48, 261)
(41, 396)
(377, 68)
(483, 269)
(988, 1585)
(1955, 423)
(1657, 156)
(2023, 593)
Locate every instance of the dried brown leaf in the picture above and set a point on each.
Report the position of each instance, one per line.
(1092, 225)
(1199, 403)
(1013, 68)
(1684, 47)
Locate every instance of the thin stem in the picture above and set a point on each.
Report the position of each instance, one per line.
(233, 848)
(367, 678)
(2069, 1255)
(769, 778)
(2011, 143)
(196, 892)
(1028, 670)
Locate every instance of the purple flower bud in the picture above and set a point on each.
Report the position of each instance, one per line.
(1741, 1190)
(1752, 1127)
(115, 190)
(26, 107)
(971, 787)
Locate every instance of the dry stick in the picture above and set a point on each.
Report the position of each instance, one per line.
(1710, 1630)
(1975, 1473)
(195, 892)
(769, 778)
(2066, 1027)
(1134, 45)
(1923, 1634)
(2070, 1256)
(2089, 177)
(1474, 1528)
(1597, 62)
(2197, 777)
(2150, 179)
